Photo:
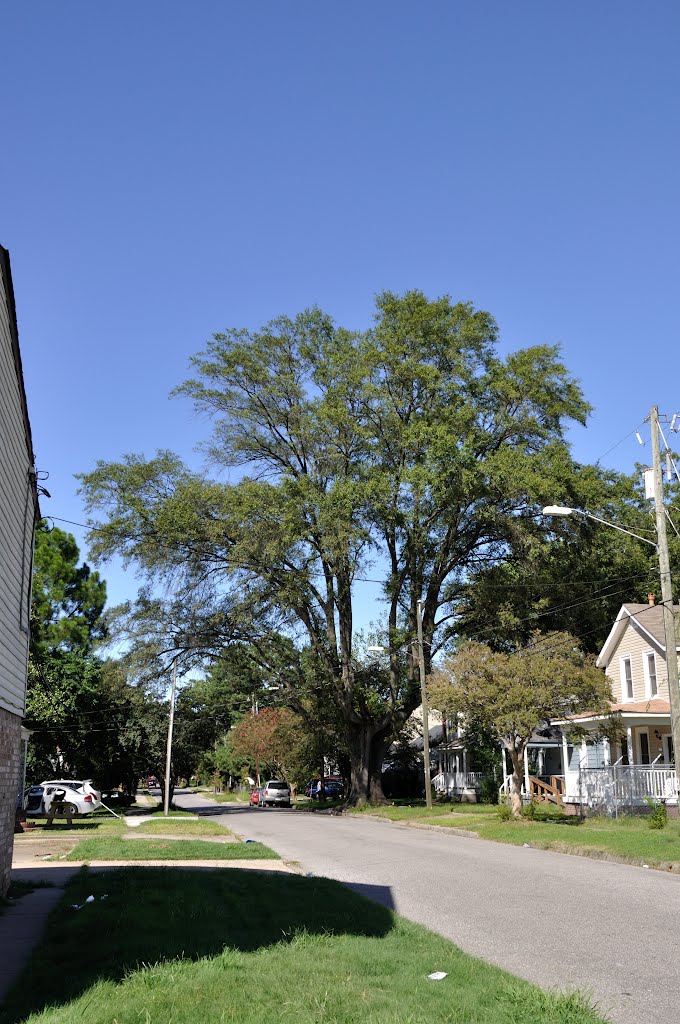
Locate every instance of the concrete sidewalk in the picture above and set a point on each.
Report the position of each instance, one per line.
(21, 928)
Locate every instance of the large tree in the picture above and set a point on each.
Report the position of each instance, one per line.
(63, 672)
(410, 453)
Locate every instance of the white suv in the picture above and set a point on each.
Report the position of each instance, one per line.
(275, 792)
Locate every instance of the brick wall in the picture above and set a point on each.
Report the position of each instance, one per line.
(10, 756)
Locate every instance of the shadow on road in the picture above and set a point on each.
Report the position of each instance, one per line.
(142, 916)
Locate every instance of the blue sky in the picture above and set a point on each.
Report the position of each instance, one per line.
(171, 169)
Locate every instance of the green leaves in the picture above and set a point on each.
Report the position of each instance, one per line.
(511, 693)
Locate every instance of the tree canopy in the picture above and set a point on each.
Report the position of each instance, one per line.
(410, 453)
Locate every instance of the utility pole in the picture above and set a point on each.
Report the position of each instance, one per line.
(168, 755)
(666, 591)
(426, 718)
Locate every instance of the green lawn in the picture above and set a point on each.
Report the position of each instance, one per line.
(181, 948)
(184, 828)
(229, 798)
(115, 848)
(400, 811)
(629, 838)
(626, 838)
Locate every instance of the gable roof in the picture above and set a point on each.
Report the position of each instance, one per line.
(7, 288)
(647, 619)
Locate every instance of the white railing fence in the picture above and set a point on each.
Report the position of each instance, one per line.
(454, 782)
(626, 785)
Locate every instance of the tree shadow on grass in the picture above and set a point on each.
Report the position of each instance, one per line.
(156, 914)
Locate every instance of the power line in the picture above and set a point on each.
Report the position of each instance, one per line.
(366, 579)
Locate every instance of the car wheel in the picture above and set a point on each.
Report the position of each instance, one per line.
(70, 811)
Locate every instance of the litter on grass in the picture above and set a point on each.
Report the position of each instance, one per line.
(437, 976)
(90, 899)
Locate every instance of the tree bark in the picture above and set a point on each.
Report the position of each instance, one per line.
(366, 753)
(517, 758)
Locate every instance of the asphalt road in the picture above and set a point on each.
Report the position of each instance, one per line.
(559, 921)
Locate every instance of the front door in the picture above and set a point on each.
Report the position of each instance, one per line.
(643, 746)
(668, 755)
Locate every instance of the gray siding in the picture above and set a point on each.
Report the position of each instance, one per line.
(16, 521)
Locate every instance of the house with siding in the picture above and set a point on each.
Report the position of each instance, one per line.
(619, 759)
(18, 512)
(627, 756)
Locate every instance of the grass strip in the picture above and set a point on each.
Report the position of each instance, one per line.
(184, 828)
(192, 949)
(627, 838)
(637, 845)
(169, 849)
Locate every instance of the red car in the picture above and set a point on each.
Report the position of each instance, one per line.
(255, 797)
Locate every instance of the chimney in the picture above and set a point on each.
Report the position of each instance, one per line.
(650, 598)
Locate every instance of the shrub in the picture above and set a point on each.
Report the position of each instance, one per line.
(659, 816)
(504, 812)
(530, 810)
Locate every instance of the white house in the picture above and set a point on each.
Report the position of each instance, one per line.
(18, 511)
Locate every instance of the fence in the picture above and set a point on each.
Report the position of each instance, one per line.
(456, 782)
(620, 786)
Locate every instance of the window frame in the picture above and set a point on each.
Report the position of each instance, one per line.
(626, 658)
(646, 655)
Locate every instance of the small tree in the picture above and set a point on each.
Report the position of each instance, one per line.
(268, 740)
(511, 693)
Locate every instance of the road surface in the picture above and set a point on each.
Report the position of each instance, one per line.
(559, 921)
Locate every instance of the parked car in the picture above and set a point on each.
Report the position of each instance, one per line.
(332, 787)
(275, 793)
(255, 796)
(80, 797)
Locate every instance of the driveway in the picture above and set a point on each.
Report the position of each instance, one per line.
(557, 920)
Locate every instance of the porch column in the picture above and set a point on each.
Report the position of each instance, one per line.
(504, 764)
(565, 760)
(526, 771)
(541, 761)
(606, 751)
(629, 740)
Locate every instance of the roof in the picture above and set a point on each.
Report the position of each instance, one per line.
(12, 317)
(656, 706)
(647, 619)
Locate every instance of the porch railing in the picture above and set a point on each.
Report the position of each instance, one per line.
(453, 782)
(626, 785)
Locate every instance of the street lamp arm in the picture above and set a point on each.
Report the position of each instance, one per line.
(560, 510)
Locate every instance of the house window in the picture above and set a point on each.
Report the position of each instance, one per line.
(626, 679)
(650, 666)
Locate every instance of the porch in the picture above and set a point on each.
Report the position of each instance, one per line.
(458, 783)
(608, 788)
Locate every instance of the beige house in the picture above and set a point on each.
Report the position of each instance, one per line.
(638, 764)
(18, 511)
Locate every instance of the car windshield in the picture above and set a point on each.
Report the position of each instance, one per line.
(277, 785)
(76, 786)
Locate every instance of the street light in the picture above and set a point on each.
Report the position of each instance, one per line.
(563, 510)
(423, 699)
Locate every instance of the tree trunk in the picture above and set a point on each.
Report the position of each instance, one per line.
(517, 758)
(366, 752)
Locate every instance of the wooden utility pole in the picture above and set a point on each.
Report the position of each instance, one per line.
(666, 591)
(168, 753)
(425, 708)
